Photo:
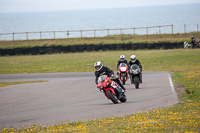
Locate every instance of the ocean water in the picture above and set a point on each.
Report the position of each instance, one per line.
(116, 18)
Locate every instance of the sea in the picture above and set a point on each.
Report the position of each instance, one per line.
(55, 24)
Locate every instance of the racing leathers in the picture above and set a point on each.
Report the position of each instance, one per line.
(139, 64)
(193, 42)
(106, 71)
(120, 61)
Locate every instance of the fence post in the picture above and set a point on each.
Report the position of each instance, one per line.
(26, 35)
(94, 33)
(159, 30)
(54, 35)
(108, 31)
(184, 28)
(147, 30)
(172, 28)
(121, 31)
(40, 35)
(13, 37)
(81, 33)
(197, 28)
(67, 34)
(134, 31)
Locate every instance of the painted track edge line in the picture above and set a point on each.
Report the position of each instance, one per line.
(176, 99)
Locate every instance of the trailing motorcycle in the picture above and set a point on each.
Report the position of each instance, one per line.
(135, 75)
(123, 72)
(111, 90)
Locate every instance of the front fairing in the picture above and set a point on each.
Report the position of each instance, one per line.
(123, 67)
(105, 84)
(135, 69)
(123, 71)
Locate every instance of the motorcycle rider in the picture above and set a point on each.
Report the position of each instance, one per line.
(122, 60)
(193, 41)
(104, 70)
(135, 61)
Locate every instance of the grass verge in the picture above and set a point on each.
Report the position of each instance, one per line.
(2, 84)
(152, 60)
(113, 39)
(184, 117)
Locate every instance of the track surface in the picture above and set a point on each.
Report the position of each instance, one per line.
(68, 97)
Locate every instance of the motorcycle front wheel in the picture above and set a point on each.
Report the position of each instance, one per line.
(112, 97)
(136, 82)
(123, 79)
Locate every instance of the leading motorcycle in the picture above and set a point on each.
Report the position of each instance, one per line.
(111, 90)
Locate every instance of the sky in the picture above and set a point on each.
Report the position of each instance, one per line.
(56, 5)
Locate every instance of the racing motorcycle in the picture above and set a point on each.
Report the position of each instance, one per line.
(111, 90)
(123, 72)
(135, 75)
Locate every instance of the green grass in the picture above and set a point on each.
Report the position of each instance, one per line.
(152, 60)
(114, 39)
(184, 63)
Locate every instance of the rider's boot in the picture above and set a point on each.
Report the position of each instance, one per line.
(120, 84)
(119, 92)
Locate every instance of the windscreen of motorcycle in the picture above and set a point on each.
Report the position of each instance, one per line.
(102, 78)
(123, 65)
(134, 67)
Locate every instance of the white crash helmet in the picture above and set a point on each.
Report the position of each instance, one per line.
(133, 58)
(98, 65)
(122, 57)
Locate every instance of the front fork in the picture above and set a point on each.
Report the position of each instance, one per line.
(131, 76)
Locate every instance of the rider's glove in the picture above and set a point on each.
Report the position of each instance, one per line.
(101, 89)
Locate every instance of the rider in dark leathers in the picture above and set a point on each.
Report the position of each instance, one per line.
(193, 41)
(122, 60)
(135, 61)
(104, 70)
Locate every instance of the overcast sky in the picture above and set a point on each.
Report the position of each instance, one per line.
(53, 5)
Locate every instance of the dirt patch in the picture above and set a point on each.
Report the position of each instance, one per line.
(181, 91)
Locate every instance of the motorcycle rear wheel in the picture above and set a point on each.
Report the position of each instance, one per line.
(112, 97)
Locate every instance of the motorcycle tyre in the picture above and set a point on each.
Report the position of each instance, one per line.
(136, 82)
(111, 97)
(131, 78)
(123, 79)
(123, 99)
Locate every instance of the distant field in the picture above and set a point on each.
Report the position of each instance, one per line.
(114, 39)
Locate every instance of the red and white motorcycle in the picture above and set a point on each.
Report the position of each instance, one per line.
(123, 72)
(111, 90)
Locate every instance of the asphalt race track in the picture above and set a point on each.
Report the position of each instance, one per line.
(68, 97)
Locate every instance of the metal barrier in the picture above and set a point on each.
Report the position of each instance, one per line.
(79, 33)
